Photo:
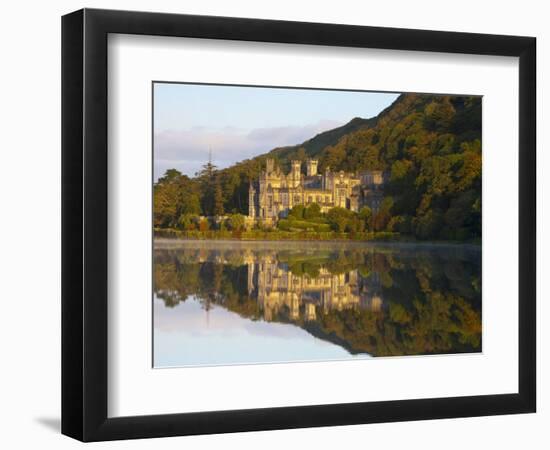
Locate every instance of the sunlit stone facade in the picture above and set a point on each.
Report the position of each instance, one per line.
(274, 194)
(278, 289)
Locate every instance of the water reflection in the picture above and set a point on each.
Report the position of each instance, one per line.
(248, 302)
(279, 290)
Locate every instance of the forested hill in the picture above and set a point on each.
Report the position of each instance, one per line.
(429, 145)
(313, 148)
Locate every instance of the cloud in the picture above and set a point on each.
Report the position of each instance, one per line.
(187, 150)
(291, 134)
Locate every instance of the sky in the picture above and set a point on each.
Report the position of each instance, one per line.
(237, 123)
(188, 335)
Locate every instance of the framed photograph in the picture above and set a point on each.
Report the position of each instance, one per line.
(273, 224)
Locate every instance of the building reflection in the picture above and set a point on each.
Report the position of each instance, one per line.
(304, 296)
(401, 300)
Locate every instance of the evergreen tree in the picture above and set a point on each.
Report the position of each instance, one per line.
(218, 198)
(208, 180)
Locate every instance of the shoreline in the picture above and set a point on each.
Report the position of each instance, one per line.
(377, 237)
(174, 241)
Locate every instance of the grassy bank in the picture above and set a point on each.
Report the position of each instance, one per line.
(278, 235)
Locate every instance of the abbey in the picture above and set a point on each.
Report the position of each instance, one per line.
(274, 194)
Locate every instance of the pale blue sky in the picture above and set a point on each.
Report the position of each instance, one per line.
(241, 122)
(188, 335)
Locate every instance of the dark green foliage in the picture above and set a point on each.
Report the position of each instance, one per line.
(315, 146)
(313, 211)
(211, 193)
(174, 196)
(218, 198)
(430, 147)
(382, 218)
(236, 222)
(345, 221)
(297, 212)
(431, 300)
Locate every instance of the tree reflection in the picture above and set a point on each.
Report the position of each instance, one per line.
(382, 300)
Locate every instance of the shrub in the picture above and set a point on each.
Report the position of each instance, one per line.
(339, 218)
(204, 225)
(312, 211)
(188, 222)
(236, 222)
(297, 212)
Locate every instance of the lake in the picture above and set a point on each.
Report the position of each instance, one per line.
(236, 302)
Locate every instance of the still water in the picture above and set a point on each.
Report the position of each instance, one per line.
(234, 302)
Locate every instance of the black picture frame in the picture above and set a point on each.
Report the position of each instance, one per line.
(84, 224)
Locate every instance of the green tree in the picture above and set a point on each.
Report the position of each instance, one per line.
(365, 215)
(173, 195)
(208, 180)
(339, 218)
(170, 176)
(312, 211)
(236, 222)
(297, 212)
(383, 215)
(188, 222)
(165, 205)
(218, 199)
(439, 114)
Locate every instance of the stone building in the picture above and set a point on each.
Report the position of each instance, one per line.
(276, 289)
(274, 194)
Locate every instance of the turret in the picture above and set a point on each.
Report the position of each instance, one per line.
(327, 181)
(295, 168)
(251, 200)
(311, 167)
(269, 165)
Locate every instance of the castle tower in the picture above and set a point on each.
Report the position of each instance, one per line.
(311, 167)
(295, 168)
(269, 165)
(251, 201)
(377, 177)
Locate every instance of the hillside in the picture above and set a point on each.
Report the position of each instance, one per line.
(313, 148)
(429, 145)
